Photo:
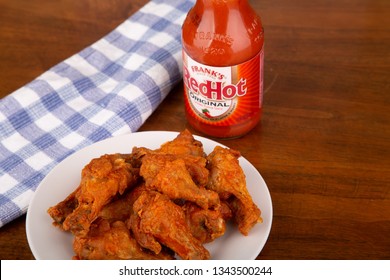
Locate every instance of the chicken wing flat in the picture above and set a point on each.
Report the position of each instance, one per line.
(109, 241)
(228, 180)
(173, 179)
(164, 221)
(101, 180)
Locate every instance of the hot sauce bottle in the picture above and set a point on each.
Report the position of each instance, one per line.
(223, 59)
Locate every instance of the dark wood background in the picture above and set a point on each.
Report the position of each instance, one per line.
(323, 146)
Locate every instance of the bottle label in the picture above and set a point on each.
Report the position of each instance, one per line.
(223, 95)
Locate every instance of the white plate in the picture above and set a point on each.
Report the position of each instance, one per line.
(48, 242)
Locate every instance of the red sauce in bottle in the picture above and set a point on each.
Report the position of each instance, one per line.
(223, 67)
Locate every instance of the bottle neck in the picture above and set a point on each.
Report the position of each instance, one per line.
(222, 32)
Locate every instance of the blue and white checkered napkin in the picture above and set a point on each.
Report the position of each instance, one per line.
(108, 89)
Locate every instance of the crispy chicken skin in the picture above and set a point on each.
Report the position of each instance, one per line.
(183, 144)
(164, 222)
(228, 180)
(109, 237)
(64, 208)
(152, 163)
(109, 241)
(101, 180)
(185, 147)
(173, 179)
(120, 208)
(206, 225)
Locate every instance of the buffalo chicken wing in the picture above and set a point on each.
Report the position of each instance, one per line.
(153, 204)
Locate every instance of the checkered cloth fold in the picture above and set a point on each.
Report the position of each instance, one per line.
(109, 88)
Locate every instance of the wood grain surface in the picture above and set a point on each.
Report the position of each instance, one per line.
(323, 145)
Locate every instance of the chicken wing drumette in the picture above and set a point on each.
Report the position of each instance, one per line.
(228, 180)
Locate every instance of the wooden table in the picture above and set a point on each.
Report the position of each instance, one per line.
(323, 146)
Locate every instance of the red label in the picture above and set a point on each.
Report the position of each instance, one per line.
(223, 95)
